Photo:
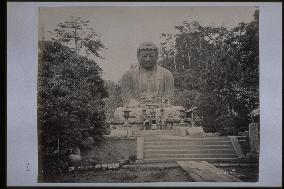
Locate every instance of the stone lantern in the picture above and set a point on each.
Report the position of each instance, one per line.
(182, 116)
(126, 122)
(190, 115)
(144, 112)
(162, 119)
(126, 116)
(162, 112)
(144, 118)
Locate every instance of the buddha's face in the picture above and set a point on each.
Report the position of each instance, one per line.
(148, 58)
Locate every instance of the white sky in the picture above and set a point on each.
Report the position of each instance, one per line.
(122, 29)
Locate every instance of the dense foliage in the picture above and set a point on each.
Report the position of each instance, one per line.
(215, 69)
(114, 99)
(70, 93)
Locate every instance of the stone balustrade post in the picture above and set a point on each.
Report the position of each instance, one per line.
(140, 146)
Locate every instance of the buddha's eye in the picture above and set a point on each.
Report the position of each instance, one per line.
(145, 56)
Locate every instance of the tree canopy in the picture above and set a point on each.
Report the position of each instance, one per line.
(220, 68)
(77, 34)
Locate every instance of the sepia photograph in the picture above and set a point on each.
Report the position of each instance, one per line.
(148, 94)
(144, 94)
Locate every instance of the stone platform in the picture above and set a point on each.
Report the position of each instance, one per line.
(136, 130)
(202, 171)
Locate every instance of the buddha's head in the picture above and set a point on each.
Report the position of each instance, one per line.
(147, 54)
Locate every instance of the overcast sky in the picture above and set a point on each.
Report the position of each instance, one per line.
(122, 29)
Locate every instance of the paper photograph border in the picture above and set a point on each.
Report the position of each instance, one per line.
(22, 32)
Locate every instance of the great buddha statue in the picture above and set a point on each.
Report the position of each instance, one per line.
(147, 85)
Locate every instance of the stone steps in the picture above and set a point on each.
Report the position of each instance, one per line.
(184, 139)
(171, 143)
(156, 160)
(187, 147)
(172, 149)
(156, 156)
(198, 151)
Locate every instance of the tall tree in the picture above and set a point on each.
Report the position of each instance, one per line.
(77, 34)
(247, 55)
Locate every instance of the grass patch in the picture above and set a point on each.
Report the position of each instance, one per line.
(111, 150)
(125, 175)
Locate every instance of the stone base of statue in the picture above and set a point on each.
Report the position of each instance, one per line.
(118, 132)
(139, 129)
(120, 129)
(154, 127)
(152, 116)
(137, 115)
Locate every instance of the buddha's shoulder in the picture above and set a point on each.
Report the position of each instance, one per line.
(164, 70)
(132, 70)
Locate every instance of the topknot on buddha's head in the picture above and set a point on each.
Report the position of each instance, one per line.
(147, 46)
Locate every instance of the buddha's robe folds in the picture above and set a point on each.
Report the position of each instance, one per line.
(139, 85)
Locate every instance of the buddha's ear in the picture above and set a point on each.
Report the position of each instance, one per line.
(138, 57)
(156, 54)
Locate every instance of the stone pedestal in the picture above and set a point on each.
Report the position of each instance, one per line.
(196, 131)
(182, 131)
(129, 132)
(118, 132)
(254, 137)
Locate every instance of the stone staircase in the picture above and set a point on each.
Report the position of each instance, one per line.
(171, 149)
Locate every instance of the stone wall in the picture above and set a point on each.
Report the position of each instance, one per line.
(254, 137)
